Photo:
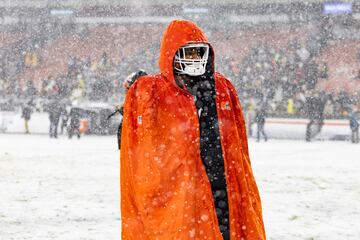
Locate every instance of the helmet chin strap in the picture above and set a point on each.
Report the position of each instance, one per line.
(193, 70)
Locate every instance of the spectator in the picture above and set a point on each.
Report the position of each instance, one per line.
(30, 90)
(54, 110)
(250, 117)
(74, 126)
(64, 119)
(26, 114)
(291, 107)
(354, 126)
(260, 120)
(130, 80)
(315, 108)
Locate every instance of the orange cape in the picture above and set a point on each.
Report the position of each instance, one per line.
(165, 191)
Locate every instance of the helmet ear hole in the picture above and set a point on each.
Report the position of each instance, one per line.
(191, 59)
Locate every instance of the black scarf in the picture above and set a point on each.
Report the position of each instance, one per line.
(204, 92)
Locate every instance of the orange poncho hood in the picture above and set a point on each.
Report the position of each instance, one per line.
(178, 34)
(165, 190)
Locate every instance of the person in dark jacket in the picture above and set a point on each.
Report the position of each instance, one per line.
(129, 80)
(64, 119)
(260, 120)
(354, 127)
(26, 114)
(74, 126)
(315, 104)
(54, 110)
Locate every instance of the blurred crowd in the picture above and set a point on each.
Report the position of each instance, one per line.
(66, 98)
(84, 81)
(278, 79)
(285, 79)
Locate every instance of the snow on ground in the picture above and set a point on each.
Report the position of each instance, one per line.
(309, 190)
(59, 189)
(69, 189)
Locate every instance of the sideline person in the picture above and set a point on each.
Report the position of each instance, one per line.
(260, 119)
(119, 109)
(354, 126)
(26, 112)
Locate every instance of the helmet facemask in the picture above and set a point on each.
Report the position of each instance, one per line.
(191, 59)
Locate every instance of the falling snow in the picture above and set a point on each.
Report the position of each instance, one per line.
(66, 66)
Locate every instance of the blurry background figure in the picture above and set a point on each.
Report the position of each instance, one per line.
(291, 107)
(78, 93)
(129, 80)
(250, 117)
(74, 126)
(354, 126)
(64, 119)
(54, 110)
(26, 114)
(84, 124)
(120, 110)
(315, 105)
(260, 120)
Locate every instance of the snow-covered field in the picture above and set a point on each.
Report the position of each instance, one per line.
(69, 189)
(309, 190)
(59, 189)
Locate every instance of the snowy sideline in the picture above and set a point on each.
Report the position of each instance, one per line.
(69, 189)
(277, 128)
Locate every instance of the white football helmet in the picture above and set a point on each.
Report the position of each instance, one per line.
(191, 59)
